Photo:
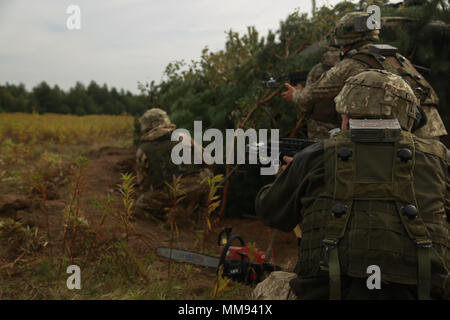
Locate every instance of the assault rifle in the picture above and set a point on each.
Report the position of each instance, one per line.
(285, 147)
(294, 78)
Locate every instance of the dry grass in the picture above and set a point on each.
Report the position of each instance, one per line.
(64, 129)
(41, 153)
(37, 147)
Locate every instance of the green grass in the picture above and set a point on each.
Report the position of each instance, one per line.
(113, 275)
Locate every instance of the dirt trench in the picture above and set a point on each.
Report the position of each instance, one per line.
(100, 181)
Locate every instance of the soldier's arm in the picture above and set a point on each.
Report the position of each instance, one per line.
(447, 198)
(141, 168)
(314, 74)
(328, 86)
(207, 159)
(278, 205)
(198, 151)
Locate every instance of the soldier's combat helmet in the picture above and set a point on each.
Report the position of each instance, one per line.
(378, 94)
(352, 28)
(155, 118)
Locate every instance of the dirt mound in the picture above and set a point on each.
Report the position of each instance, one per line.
(10, 203)
(103, 174)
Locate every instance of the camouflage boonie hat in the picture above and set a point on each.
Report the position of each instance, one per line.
(378, 94)
(345, 33)
(154, 118)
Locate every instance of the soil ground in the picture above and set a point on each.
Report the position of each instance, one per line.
(103, 175)
(100, 180)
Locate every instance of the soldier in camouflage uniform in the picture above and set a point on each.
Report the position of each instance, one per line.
(154, 167)
(328, 60)
(374, 195)
(358, 54)
(317, 128)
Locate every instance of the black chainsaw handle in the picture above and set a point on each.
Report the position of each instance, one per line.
(226, 247)
(227, 231)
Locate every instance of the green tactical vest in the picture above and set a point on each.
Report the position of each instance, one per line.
(385, 57)
(159, 167)
(383, 205)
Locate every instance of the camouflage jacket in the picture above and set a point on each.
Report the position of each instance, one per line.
(329, 59)
(154, 165)
(327, 86)
(324, 90)
(307, 190)
(315, 73)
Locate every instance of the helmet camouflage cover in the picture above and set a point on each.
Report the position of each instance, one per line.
(346, 34)
(375, 94)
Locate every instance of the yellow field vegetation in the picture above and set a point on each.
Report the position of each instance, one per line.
(64, 129)
(35, 147)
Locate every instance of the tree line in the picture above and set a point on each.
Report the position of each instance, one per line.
(78, 100)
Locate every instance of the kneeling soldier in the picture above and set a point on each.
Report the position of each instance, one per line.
(374, 195)
(155, 168)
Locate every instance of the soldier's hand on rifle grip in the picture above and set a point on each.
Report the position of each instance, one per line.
(286, 160)
(287, 95)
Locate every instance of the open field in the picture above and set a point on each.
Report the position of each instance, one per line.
(31, 142)
(61, 205)
(64, 129)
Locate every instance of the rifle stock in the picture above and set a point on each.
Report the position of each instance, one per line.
(294, 78)
(285, 147)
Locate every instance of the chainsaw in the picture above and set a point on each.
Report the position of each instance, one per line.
(236, 262)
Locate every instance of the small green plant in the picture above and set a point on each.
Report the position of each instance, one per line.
(105, 207)
(133, 257)
(127, 190)
(187, 271)
(213, 203)
(19, 238)
(221, 283)
(73, 218)
(176, 195)
(251, 257)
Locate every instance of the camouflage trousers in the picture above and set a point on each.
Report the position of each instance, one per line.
(160, 202)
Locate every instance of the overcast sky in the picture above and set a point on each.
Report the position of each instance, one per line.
(122, 42)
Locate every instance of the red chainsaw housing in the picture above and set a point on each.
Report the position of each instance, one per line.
(242, 253)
